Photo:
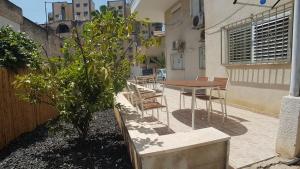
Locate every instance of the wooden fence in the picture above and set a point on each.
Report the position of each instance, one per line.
(16, 116)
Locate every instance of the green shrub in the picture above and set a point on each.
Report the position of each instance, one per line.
(17, 50)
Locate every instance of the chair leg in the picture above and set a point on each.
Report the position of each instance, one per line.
(207, 108)
(183, 101)
(168, 119)
(222, 108)
(142, 109)
(210, 110)
(225, 104)
(157, 111)
(222, 105)
(210, 106)
(180, 95)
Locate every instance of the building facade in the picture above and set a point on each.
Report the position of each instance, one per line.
(153, 54)
(61, 11)
(65, 16)
(184, 42)
(11, 15)
(120, 6)
(83, 9)
(249, 44)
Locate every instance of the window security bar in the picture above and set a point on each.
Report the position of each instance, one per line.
(264, 38)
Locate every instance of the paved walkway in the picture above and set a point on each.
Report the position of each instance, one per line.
(252, 135)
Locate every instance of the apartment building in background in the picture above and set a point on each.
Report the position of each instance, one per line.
(120, 6)
(65, 16)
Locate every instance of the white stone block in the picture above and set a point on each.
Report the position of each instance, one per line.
(288, 137)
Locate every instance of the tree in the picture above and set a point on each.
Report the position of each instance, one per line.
(94, 68)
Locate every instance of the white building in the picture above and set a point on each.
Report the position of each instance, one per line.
(259, 78)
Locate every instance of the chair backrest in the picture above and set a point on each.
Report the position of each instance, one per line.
(127, 87)
(223, 81)
(202, 78)
(135, 90)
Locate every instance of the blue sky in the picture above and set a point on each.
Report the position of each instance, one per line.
(35, 9)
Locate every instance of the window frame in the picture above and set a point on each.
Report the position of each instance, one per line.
(202, 60)
(85, 13)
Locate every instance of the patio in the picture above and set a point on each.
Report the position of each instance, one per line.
(253, 135)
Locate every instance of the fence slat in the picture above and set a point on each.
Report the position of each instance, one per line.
(2, 132)
(16, 116)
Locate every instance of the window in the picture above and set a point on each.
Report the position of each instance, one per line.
(120, 7)
(271, 39)
(261, 39)
(78, 13)
(177, 61)
(77, 5)
(86, 13)
(239, 46)
(85, 4)
(202, 57)
(63, 13)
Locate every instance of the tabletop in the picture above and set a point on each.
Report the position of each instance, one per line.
(192, 83)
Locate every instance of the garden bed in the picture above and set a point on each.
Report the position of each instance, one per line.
(104, 148)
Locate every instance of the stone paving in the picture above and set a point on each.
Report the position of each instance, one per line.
(253, 135)
(273, 163)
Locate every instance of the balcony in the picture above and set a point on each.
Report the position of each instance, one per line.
(154, 9)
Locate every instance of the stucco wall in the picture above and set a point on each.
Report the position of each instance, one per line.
(179, 27)
(51, 44)
(5, 22)
(10, 14)
(258, 88)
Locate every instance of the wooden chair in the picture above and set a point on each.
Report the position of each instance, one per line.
(130, 92)
(220, 97)
(145, 103)
(183, 93)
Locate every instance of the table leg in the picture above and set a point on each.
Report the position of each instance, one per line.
(193, 107)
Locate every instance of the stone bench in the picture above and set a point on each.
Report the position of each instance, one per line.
(204, 148)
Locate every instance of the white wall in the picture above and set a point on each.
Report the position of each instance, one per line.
(179, 27)
(258, 88)
(5, 22)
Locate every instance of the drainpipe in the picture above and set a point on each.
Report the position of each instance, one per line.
(295, 69)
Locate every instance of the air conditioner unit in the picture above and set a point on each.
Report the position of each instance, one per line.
(198, 21)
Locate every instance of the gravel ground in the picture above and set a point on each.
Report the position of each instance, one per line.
(104, 148)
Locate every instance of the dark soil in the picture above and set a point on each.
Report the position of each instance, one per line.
(104, 148)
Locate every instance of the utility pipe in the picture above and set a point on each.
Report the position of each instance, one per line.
(295, 66)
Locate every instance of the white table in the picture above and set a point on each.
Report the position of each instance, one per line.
(193, 85)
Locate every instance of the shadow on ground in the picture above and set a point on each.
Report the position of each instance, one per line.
(232, 125)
